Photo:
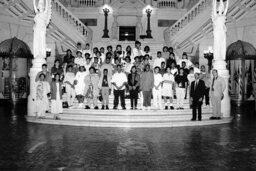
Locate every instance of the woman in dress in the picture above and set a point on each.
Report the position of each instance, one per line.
(134, 84)
(157, 90)
(57, 69)
(42, 91)
(79, 85)
(56, 96)
(167, 91)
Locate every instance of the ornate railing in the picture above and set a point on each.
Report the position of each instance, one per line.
(79, 3)
(167, 4)
(187, 18)
(60, 9)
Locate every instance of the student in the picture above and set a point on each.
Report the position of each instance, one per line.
(162, 68)
(157, 90)
(181, 85)
(127, 65)
(107, 66)
(105, 88)
(119, 81)
(68, 58)
(69, 79)
(146, 86)
(167, 91)
(165, 53)
(56, 97)
(158, 60)
(134, 84)
(102, 55)
(170, 60)
(137, 51)
(47, 74)
(42, 91)
(79, 85)
(87, 64)
(79, 60)
(57, 69)
(91, 89)
(185, 59)
(87, 50)
(206, 77)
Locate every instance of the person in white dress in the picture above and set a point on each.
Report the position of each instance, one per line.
(42, 91)
(167, 90)
(69, 79)
(80, 85)
(157, 90)
(56, 97)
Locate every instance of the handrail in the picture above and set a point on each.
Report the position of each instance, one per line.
(188, 17)
(60, 9)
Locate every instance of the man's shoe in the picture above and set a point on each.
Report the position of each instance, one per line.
(166, 108)
(171, 107)
(103, 107)
(212, 118)
(87, 107)
(193, 119)
(124, 108)
(107, 107)
(181, 108)
(96, 107)
(200, 119)
(218, 118)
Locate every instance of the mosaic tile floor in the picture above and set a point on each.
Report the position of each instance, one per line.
(26, 146)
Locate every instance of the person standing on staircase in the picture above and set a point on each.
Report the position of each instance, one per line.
(119, 81)
(196, 97)
(218, 86)
(105, 88)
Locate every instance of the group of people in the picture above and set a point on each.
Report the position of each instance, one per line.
(92, 75)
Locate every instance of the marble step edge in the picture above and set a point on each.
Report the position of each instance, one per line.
(131, 112)
(180, 123)
(127, 119)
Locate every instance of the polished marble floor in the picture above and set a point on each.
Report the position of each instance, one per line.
(26, 146)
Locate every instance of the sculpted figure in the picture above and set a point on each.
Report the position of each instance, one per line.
(219, 29)
(42, 19)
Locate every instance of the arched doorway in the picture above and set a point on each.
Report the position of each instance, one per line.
(15, 61)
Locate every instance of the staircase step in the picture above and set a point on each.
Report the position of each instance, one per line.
(166, 123)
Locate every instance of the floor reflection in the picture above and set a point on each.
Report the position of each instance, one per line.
(26, 146)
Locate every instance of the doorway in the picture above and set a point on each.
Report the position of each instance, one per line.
(127, 33)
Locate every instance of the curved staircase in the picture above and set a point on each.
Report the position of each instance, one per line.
(130, 118)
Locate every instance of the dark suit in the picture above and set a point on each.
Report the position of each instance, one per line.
(196, 93)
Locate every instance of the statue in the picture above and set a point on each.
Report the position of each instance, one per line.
(139, 27)
(219, 29)
(114, 29)
(42, 19)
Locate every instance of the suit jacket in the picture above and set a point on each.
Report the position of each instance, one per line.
(197, 92)
(219, 87)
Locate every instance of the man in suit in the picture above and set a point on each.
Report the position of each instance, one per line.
(196, 97)
(218, 86)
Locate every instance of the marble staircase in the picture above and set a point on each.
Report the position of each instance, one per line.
(196, 23)
(129, 118)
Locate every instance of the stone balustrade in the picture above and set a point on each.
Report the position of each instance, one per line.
(79, 3)
(187, 18)
(87, 3)
(62, 11)
(167, 4)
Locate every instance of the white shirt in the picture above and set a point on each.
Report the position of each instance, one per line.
(119, 79)
(168, 77)
(191, 77)
(69, 77)
(136, 52)
(158, 79)
(127, 67)
(79, 61)
(158, 61)
(197, 70)
(174, 71)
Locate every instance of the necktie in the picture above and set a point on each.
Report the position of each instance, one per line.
(213, 83)
(195, 84)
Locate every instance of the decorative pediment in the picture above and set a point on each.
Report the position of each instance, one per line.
(127, 7)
